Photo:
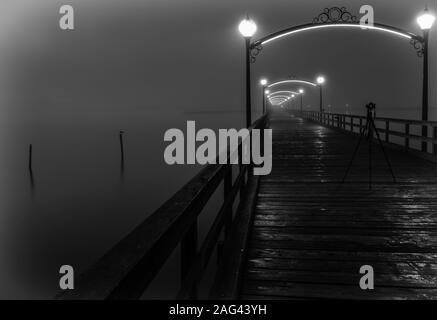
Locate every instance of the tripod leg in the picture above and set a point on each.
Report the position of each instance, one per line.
(370, 158)
(385, 154)
(353, 155)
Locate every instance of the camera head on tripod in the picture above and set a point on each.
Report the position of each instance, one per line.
(370, 106)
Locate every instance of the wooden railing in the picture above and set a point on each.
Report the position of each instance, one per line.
(127, 269)
(386, 128)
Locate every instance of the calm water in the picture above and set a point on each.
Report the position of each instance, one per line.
(80, 205)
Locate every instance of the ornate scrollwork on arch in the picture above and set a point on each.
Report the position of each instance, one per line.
(254, 52)
(335, 15)
(419, 46)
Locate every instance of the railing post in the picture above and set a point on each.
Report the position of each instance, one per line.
(188, 255)
(407, 133)
(227, 186)
(240, 158)
(344, 122)
(387, 131)
(425, 135)
(361, 124)
(352, 124)
(434, 133)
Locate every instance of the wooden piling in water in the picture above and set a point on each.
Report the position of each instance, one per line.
(121, 148)
(30, 157)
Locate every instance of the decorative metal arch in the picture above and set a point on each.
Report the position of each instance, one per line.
(278, 100)
(282, 91)
(336, 17)
(277, 103)
(278, 97)
(292, 81)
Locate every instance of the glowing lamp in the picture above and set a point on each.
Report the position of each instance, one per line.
(320, 80)
(247, 28)
(426, 20)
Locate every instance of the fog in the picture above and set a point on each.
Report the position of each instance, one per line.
(144, 67)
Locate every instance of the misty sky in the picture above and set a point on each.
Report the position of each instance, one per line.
(165, 54)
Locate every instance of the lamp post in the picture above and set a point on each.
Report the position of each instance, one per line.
(320, 82)
(263, 83)
(266, 92)
(301, 91)
(425, 22)
(247, 29)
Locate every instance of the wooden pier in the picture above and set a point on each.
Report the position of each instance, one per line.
(298, 233)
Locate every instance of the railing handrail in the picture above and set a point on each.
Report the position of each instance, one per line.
(127, 269)
(413, 122)
(340, 120)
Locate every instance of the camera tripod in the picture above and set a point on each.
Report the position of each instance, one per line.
(368, 132)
